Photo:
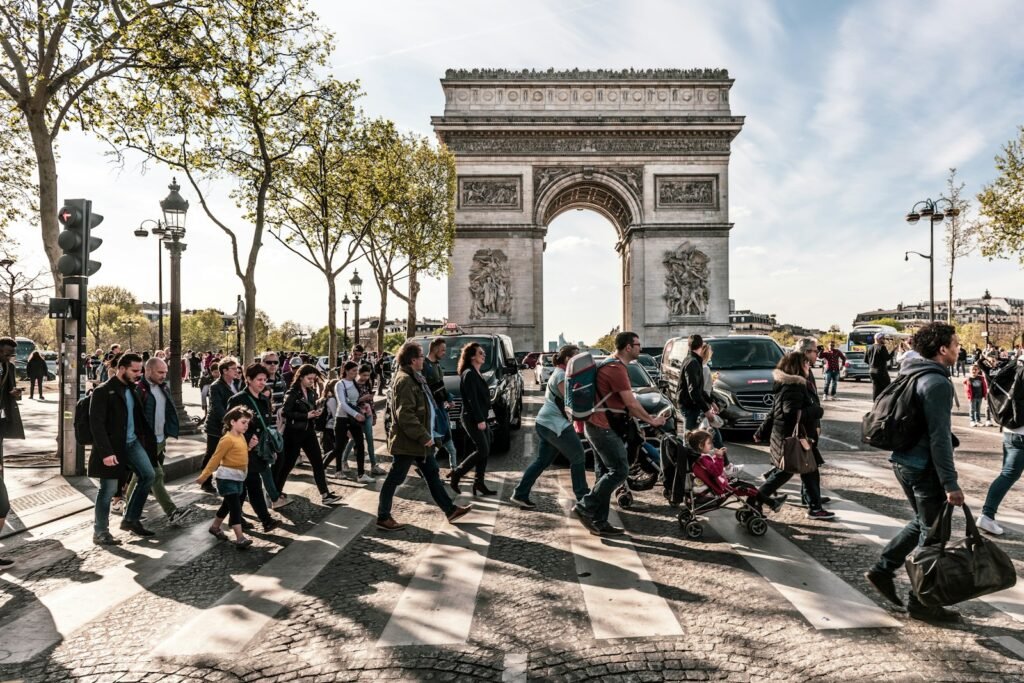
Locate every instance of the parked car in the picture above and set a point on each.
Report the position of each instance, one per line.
(650, 365)
(530, 360)
(502, 375)
(854, 368)
(543, 369)
(741, 367)
(51, 359)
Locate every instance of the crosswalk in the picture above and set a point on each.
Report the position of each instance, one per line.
(436, 603)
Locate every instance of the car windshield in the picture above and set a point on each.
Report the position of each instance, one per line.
(744, 354)
(547, 360)
(646, 360)
(450, 361)
(638, 377)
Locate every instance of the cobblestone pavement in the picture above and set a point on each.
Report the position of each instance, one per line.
(510, 595)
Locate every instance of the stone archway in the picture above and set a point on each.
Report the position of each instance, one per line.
(649, 150)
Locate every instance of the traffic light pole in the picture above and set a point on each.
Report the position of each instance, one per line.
(73, 380)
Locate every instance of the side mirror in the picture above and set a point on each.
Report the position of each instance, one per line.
(511, 365)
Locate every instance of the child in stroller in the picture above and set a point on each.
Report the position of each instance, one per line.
(696, 481)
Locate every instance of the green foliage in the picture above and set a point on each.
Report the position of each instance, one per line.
(891, 322)
(204, 331)
(607, 342)
(971, 336)
(107, 304)
(1001, 202)
(785, 339)
(393, 341)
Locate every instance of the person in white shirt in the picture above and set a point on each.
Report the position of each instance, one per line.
(349, 422)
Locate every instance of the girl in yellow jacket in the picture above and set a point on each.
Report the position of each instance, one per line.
(229, 464)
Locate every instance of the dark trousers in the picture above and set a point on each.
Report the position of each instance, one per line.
(810, 491)
(5, 501)
(231, 508)
(924, 491)
(428, 469)
(33, 382)
(478, 458)
(211, 445)
(254, 493)
(879, 381)
(294, 441)
(344, 429)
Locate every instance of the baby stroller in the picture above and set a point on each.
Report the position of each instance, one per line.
(644, 462)
(698, 485)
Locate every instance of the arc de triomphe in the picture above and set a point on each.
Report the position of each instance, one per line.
(648, 149)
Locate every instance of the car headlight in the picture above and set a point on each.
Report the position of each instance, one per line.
(726, 397)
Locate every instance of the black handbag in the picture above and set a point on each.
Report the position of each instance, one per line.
(797, 455)
(945, 574)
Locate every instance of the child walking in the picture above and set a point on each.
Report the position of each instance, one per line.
(230, 463)
(976, 387)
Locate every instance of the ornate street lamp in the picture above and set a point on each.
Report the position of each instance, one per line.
(158, 232)
(935, 212)
(344, 333)
(357, 289)
(174, 207)
(986, 300)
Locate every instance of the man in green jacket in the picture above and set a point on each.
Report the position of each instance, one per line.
(411, 441)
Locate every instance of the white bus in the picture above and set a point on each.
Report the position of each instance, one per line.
(863, 336)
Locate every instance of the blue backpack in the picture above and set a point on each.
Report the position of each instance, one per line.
(581, 399)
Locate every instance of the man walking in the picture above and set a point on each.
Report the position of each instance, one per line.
(834, 359)
(411, 440)
(606, 431)
(121, 441)
(692, 399)
(276, 385)
(926, 471)
(10, 421)
(434, 375)
(878, 358)
(162, 419)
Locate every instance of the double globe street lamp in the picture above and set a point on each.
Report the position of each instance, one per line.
(936, 212)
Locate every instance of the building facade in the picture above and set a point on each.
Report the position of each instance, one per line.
(1005, 315)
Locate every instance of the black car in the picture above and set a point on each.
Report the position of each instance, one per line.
(500, 371)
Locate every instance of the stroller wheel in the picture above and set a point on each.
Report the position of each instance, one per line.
(685, 516)
(742, 515)
(757, 526)
(694, 529)
(625, 500)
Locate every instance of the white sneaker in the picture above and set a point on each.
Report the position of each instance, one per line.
(989, 525)
(366, 479)
(280, 502)
(974, 424)
(988, 423)
(376, 470)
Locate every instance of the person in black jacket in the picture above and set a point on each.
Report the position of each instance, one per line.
(476, 404)
(255, 399)
(693, 399)
(878, 358)
(121, 441)
(793, 401)
(220, 393)
(36, 371)
(10, 420)
(301, 408)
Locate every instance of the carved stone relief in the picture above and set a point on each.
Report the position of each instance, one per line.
(490, 285)
(490, 192)
(630, 176)
(686, 281)
(594, 196)
(571, 144)
(686, 192)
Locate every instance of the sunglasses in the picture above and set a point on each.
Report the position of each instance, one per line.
(271, 362)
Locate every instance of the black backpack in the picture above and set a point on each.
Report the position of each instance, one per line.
(83, 430)
(896, 422)
(1006, 395)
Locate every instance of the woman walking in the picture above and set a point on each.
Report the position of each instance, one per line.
(555, 435)
(364, 405)
(253, 399)
(230, 463)
(476, 403)
(793, 410)
(350, 423)
(301, 408)
(37, 371)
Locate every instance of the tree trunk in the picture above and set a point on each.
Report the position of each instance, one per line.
(414, 290)
(46, 168)
(332, 326)
(249, 283)
(383, 319)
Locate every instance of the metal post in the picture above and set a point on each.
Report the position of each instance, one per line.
(175, 247)
(344, 339)
(160, 291)
(72, 379)
(355, 324)
(931, 271)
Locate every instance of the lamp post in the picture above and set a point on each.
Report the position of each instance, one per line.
(174, 207)
(987, 299)
(357, 289)
(935, 212)
(158, 232)
(344, 332)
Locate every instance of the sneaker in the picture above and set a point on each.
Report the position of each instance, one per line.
(136, 528)
(606, 529)
(280, 502)
(366, 479)
(988, 423)
(523, 502)
(777, 502)
(937, 614)
(973, 423)
(177, 516)
(585, 517)
(104, 538)
(330, 498)
(884, 584)
(989, 525)
(243, 544)
(5, 563)
(378, 471)
(820, 513)
(391, 525)
(459, 511)
(270, 525)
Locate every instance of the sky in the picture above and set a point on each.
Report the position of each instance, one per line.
(854, 112)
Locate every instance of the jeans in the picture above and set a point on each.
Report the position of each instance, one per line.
(612, 466)
(267, 477)
(975, 410)
(101, 519)
(810, 489)
(831, 382)
(548, 446)
(138, 461)
(344, 428)
(158, 488)
(961, 368)
(399, 470)
(449, 445)
(923, 489)
(691, 417)
(370, 448)
(1013, 466)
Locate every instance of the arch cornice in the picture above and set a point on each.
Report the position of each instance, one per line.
(560, 188)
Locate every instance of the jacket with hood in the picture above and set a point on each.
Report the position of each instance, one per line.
(934, 390)
(792, 396)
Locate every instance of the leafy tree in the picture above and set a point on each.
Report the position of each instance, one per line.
(393, 342)
(133, 327)
(54, 58)
(785, 339)
(970, 335)
(16, 284)
(107, 303)
(202, 330)
(961, 233)
(607, 342)
(1001, 203)
(16, 188)
(891, 322)
(234, 119)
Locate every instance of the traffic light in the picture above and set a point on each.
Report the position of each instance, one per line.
(76, 239)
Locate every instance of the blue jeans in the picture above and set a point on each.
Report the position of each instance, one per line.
(1013, 466)
(267, 475)
(975, 410)
(612, 466)
(101, 519)
(399, 470)
(368, 430)
(548, 446)
(449, 446)
(138, 461)
(927, 497)
(831, 380)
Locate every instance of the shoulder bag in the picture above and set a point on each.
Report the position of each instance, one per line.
(797, 454)
(271, 442)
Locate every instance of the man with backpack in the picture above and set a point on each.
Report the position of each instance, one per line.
(922, 453)
(606, 429)
(1007, 406)
(693, 398)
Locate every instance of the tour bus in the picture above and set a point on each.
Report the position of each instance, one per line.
(23, 349)
(863, 336)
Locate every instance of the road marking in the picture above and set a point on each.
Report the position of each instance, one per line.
(1011, 644)
(842, 443)
(515, 667)
(234, 620)
(437, 606)
(621, 598)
